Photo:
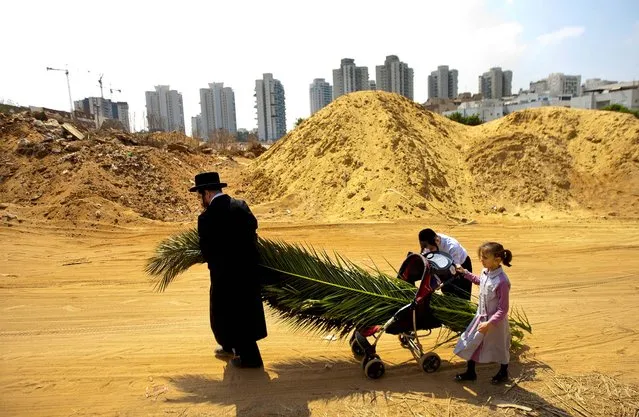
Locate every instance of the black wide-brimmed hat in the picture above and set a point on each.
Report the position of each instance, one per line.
(207, 181)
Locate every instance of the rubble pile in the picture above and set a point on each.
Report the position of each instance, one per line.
(56, 170)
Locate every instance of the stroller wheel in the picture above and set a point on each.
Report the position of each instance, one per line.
(374, 369)
(357, 349)
(430, 362)
(368, 358)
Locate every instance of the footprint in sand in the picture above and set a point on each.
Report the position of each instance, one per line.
(71, 308)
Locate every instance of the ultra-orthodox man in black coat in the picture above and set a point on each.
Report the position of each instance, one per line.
(228, 242)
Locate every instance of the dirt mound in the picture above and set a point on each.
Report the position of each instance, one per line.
(565, 158)
(366, 155)
(378, 155)
(109, 177)
(521, 169)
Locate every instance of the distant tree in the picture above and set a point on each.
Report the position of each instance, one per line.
(621, 109)
(456, 117)
(242, 135)
(222, 139)
(299, 121)
(473, 120)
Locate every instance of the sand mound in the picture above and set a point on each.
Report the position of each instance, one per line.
(378, 155)
(565, 158)
(108, 177)
(367, 154)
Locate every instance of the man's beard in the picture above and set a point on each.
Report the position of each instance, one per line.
(204, 204)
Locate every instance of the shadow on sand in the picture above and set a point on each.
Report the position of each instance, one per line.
(287, 388)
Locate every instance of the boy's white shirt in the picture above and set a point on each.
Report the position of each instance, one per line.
(452, 247)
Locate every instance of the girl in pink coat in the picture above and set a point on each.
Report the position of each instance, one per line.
(487, 338)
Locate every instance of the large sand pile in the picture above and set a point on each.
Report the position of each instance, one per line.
(376, 155)
(108, 177)
(565, 158)
(366, 155)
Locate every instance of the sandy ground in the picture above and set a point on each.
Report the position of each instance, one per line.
(82, 332)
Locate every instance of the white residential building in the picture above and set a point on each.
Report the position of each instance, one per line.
(443, 83)
(625, 94)
(165, 110)
(395, 77)
(271, 108)
(349, 78)
(558, 84)
(320, 94)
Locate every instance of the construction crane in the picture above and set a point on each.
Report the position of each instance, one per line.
(100, 82)
(66, 72)
(111, 90)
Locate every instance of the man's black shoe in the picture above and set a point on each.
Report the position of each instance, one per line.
(221, 352)
(239, 363)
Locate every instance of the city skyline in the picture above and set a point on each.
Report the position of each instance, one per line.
(510, 34)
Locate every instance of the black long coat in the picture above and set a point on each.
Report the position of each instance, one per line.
(228, 242)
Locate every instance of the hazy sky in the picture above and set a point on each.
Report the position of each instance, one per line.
(188, 44)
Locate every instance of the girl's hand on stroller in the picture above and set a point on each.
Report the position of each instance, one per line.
(483, 327)
(460, 269)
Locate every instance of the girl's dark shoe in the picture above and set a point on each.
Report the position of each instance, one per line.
(466, 376)
(499, 379)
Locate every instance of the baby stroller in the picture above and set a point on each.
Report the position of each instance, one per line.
(434, 270)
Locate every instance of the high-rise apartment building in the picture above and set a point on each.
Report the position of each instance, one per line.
(320, 94)
(443, 83)
(120, 110)
(164, 110)
(496, 83)
(105, 109)
(349, 78)
(217, 104)
(196, 127)
(271, 108)
(395, 77)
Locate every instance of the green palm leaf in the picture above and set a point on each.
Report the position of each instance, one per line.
(315, 292)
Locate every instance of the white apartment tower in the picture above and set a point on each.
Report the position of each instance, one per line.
(271, 108)
(320, 94)
(443, 83)
(164, 109)
(349, 78)
(496, 83)
(395, 77)
(217, 104)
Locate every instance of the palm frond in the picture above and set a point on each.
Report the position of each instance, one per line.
(174, 256)
(315, 292)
